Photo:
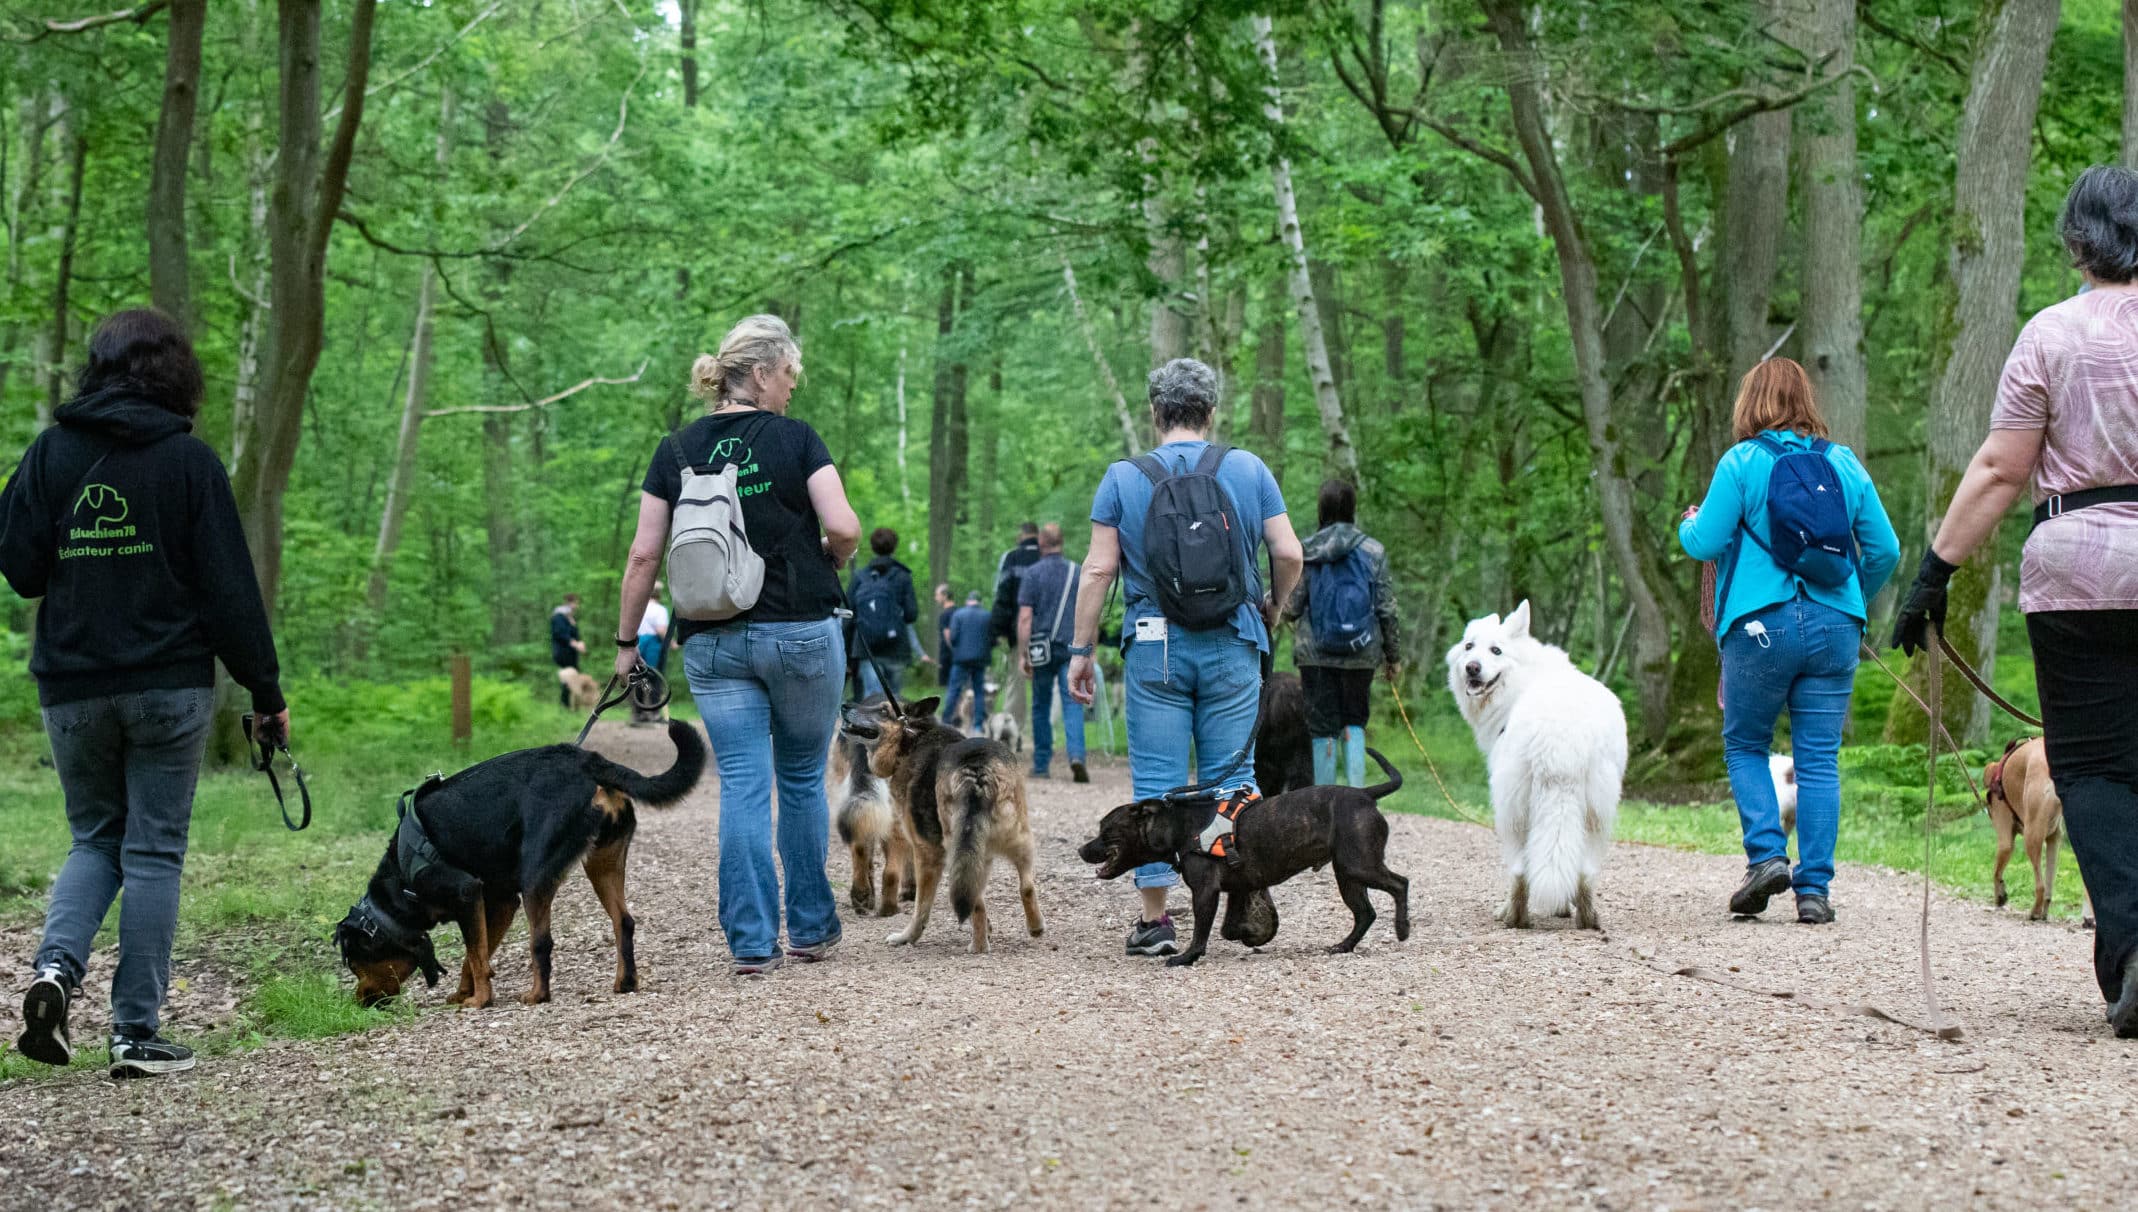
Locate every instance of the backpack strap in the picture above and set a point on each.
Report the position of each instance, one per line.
(1213, 458)
(1152, 469)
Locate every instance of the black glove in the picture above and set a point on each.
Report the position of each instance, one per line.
(1925, 604)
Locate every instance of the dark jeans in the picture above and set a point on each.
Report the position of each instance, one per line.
(2086, 670)
(965, 674)
(128, 764)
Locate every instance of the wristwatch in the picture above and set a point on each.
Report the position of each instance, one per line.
(1077, 650)
(623, 644)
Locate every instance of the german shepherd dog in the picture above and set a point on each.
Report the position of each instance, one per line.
(957, 803)
(472, 848)
(861, 804)
(1278, 838)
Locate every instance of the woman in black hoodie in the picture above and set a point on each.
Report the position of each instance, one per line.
(124, 524)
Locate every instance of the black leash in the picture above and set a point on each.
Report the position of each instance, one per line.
(645, 689)
(889, 696)
(263, 750)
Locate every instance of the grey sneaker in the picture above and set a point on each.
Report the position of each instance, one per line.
(814, 952)
(44, 1018)
(1153, 938)
(760, 967)
(147, 1056)
(1813, 909)
(1762, 880)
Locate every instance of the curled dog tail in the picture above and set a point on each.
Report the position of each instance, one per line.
(974, 793)
(864, 804)
(671, 785)
(1556, 856)
(1382, 791)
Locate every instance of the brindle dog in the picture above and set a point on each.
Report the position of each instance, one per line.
(1277, 839)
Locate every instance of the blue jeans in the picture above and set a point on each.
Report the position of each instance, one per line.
(769, 694)
(1199, 690)
(128, 764)
(1046, 680)
(966, 675)
(893, 674)
(1805, 662)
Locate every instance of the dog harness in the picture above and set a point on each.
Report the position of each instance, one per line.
(1218, 839)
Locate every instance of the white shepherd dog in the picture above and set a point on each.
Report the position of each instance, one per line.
(1555, 747)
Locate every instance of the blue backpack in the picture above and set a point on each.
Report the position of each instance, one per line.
(1810, 533)
(1340, 605)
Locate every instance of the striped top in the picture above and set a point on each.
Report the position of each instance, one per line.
(2074, 376)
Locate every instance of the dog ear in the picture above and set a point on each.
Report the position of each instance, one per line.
(924, 708)
(1517, 624)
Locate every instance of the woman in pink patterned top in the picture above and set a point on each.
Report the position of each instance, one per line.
(2067, 420)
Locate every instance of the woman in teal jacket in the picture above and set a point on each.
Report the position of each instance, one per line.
(1786, 641)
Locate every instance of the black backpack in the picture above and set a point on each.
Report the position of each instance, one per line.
(878, 615)
(1192, 544)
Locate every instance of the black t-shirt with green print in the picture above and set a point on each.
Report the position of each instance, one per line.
(782, 453)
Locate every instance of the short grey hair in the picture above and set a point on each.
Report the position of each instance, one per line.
(1183, 394)
(2099, 223)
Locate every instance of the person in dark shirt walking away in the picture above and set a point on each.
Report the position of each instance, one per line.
(970, 636)
(124, 523)
(885, 610)
(1009, 577)
(565, 644)
(945, 606)
(1347, 628)
(1046, 617)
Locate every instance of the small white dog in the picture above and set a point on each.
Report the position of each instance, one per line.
(1002, 726)
(1554, 740)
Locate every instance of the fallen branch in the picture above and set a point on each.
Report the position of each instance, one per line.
(545, 401)
(139, 14)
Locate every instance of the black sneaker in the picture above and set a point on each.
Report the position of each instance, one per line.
(1153, 938)
(1762, 880)
(147, 1056)
(2123, 1016)
(44, 1018)
(1813, 909)
(1078, 773)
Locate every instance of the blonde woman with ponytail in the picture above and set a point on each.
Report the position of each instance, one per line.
(768, 681)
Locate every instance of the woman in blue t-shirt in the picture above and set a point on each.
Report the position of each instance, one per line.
(1189, 691)
(1786, 641)
(767, 681)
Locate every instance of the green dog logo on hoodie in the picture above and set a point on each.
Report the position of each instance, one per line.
(107, 512)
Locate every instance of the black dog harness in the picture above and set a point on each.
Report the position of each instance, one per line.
(414, 852)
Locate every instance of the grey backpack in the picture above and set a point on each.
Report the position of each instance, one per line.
(713, 571)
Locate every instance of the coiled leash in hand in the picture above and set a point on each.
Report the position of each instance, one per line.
(262, 749)
(645, 689)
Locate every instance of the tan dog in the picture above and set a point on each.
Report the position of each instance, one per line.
(2022, 799)
(586, 692)
(956, 803)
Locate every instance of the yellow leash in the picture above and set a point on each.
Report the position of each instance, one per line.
(1401, 710)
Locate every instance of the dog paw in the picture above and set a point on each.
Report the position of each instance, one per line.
(1037, 931)
(898, 938)
(1181, 961)
(534, 997)
(476, 1002)
(458, 999)
(1339, 949)
(627, 985)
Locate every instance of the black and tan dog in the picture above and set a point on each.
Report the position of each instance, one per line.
(471, 848)
(956, 802)
(861, 805)
(1277, 838)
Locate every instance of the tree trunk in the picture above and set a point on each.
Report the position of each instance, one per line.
(499, 528)
(991, 452)
(1577, 278)
(1268, 399)
(56, 347)
(1832, 192)
(1755, 213)
(1976, 315)
(1168, 263)
(1131, 438)
(1342, 458)
(689, 21)
(168, 272)
(306, 196)
(946, 432)
(2130, 83)
(1393, 280)
(34, 114)
(401, 482)
(905, 487)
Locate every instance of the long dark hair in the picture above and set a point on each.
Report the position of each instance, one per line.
(144, 351)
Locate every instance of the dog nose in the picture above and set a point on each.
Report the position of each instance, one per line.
(1473, 669)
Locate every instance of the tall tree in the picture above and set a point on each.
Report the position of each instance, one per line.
(1343, 458)
(1832, 193)
(168, 271)
(77, 143)
(1985, 249)
(306, 197)
(947, 437)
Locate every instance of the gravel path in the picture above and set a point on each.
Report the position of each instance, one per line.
(1469, 1067)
